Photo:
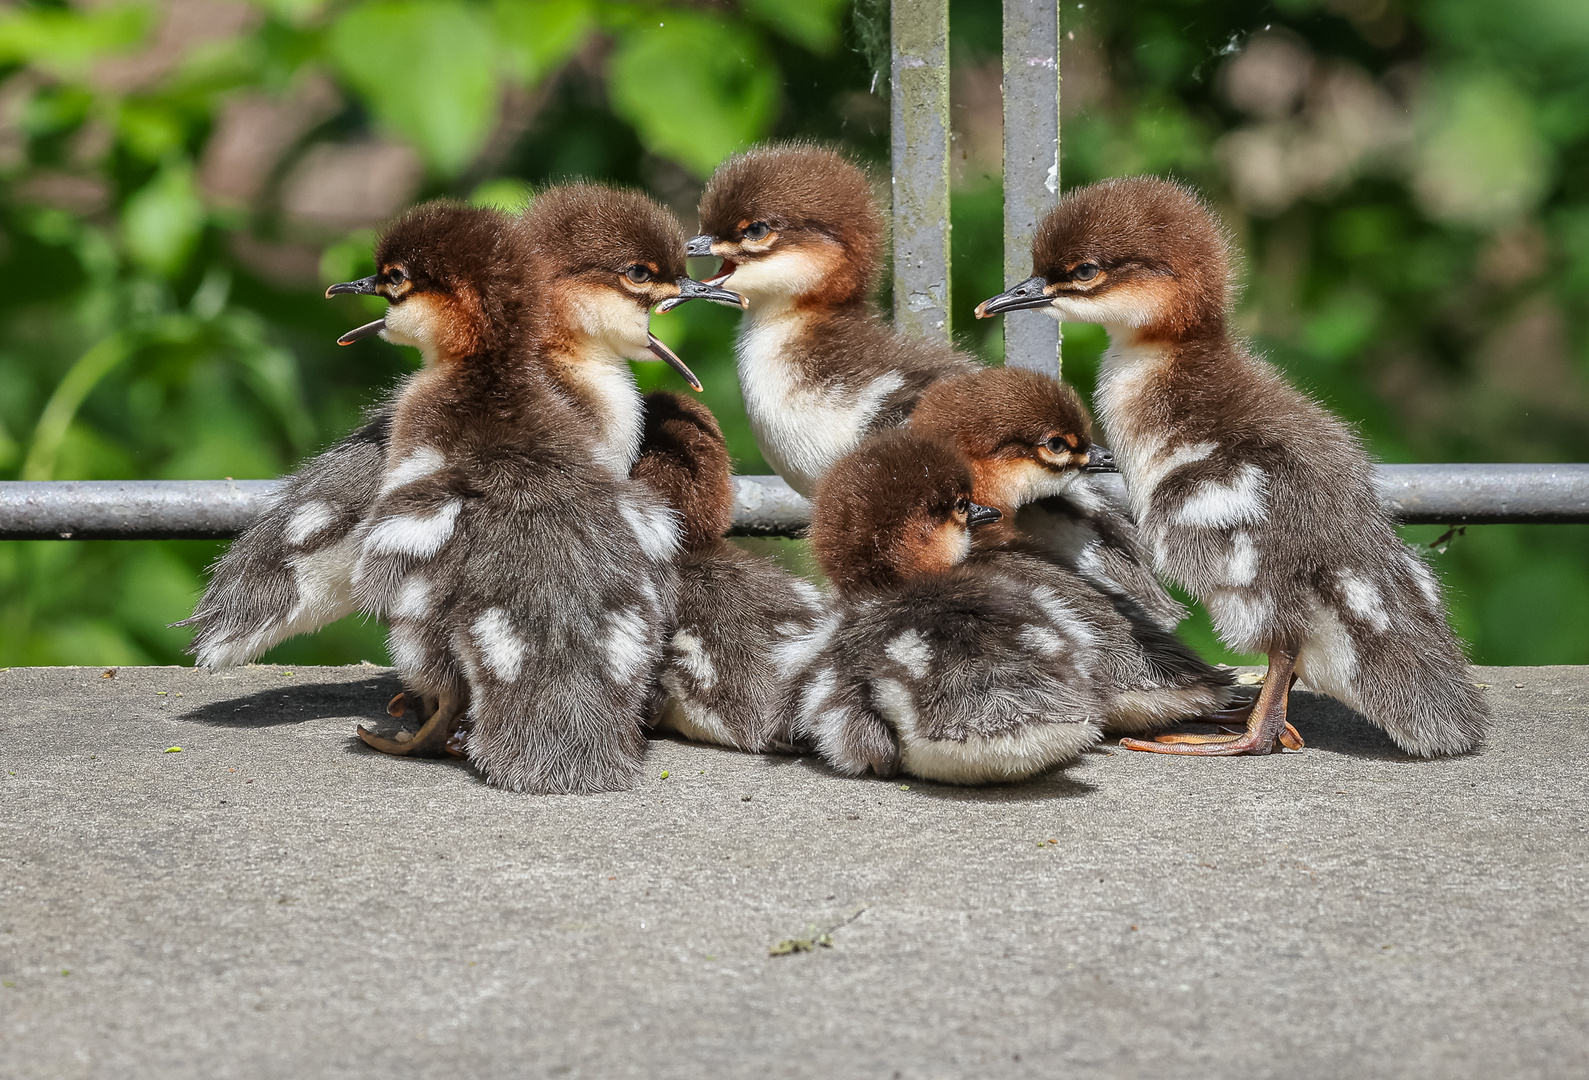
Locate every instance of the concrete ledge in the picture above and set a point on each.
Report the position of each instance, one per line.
(277, 901)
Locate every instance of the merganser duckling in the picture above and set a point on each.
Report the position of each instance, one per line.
(1027, 438)
(1254, 497)
(945, 668)
(291, 570)
(524, 583)
(801, 238)
(1029, 441)
(725, 668)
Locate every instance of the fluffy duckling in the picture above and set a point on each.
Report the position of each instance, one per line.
(1250, 494)
(526, 586)
(1029, 441)
(291, 571)
(1027, 438)
(944, 668)
(801, 238)
(725, 668)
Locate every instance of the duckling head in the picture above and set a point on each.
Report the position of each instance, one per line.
(606, 258)
(897, 507)
(1024, 435)
(684, 458)
(1140, 255)
(454, 279)
(794, 224)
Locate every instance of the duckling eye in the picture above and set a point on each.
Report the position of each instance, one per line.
(962, 506)
(1057, 445)
(1085, 272)
(638, 274)
(757, 230)
(396, 275)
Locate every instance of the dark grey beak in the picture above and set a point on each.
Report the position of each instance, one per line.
(1100, 459)
(698, 247)
(662, 352)
(690, 289)
(1028, 294)
(982, 515)
(362, 287)
(364, 331)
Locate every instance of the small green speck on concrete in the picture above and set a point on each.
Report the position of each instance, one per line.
(709, 956)
(65, 972)
(665, 774)
(173, 750)
(286, 673)
(904, 787)
(161, 693)
(9, 985)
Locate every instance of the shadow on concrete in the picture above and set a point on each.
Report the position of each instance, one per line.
(1055, 784)
(297, 703)
(1328, 725)
(359, 748)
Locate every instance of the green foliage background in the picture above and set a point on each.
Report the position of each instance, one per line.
(1413, 204)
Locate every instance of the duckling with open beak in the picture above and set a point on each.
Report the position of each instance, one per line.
(801, 238)
(527, 586)
(291, 571)
(1249, 493)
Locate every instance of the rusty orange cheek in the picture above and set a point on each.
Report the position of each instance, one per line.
(457, 320)
(991, 481)
(949, 544)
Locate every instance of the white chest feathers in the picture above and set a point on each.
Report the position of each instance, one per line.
(603, 384)
(802, 427)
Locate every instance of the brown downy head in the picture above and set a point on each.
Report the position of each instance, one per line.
(684, 458)
(457, 279)
(1025, 436)
(1139, 253)
(897, 507)
(606, 258)
(792, 222)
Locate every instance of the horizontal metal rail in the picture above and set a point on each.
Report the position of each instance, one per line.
(763, 505)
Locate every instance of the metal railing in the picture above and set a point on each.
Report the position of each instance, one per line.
(765, 505)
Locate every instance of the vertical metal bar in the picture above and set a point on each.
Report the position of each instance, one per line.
(920, 136)
(1031, 167)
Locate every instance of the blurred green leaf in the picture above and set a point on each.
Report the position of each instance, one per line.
(812, 23)
(427, 69)
(150, 130)
(1343, 326)
(161, 223)
(65, 41)
(1481, 160)
(505, 193)
(62, 407)
(696, 89)
(537, 37)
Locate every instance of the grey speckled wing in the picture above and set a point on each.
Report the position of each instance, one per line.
(1085, 534)
(724, 674)
(963, 677)
(291, 572)
(533, 588)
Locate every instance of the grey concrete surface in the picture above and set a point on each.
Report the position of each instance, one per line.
(277, 901)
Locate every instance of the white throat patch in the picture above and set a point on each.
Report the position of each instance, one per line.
(801, 427)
